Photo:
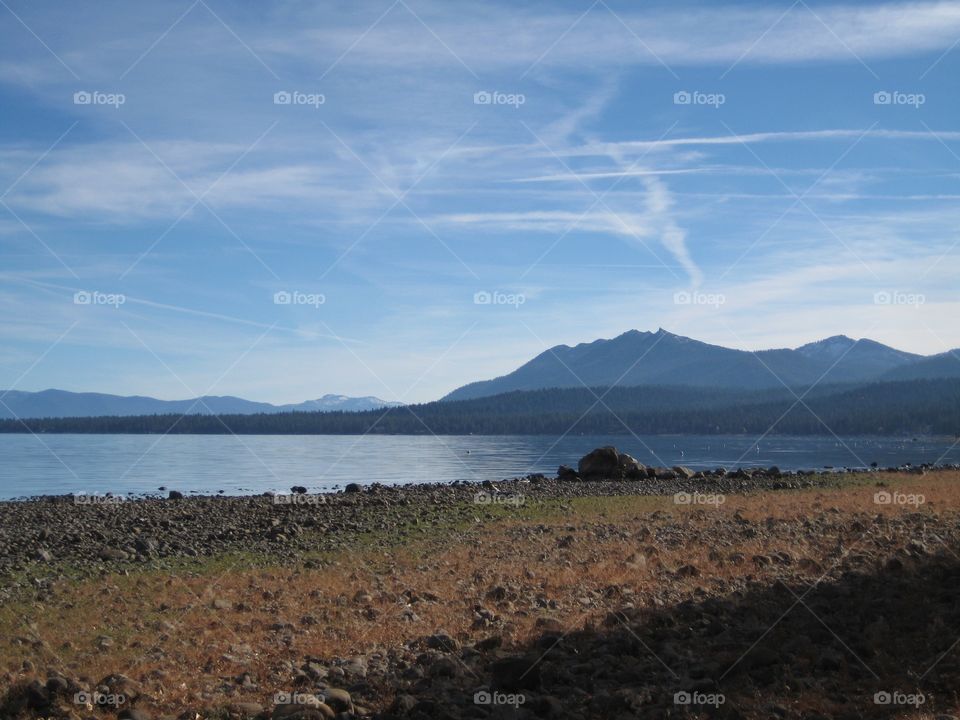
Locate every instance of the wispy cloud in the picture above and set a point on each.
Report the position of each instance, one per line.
(682, 36)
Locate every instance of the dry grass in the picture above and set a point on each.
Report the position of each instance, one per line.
(186, 635)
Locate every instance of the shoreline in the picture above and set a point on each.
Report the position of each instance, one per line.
(759, 470)
(93, 532)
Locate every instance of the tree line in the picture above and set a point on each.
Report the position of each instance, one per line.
(888, 408)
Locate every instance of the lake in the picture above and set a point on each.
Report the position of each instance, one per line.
(121, 464)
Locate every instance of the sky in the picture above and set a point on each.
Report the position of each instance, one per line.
(394, 198)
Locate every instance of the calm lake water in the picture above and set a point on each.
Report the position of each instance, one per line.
(60, 464)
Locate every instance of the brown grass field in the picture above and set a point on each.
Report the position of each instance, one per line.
(220, 631)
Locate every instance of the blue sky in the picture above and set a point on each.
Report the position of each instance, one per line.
(754, 175)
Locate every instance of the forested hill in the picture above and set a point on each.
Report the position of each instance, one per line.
(903, 407)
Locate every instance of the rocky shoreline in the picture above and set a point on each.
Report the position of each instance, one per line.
(97, 532)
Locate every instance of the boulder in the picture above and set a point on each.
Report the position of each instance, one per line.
(352, 488)
(175, 495)
(607, 463)
(600, 464)
(630, 467)
(567, 474)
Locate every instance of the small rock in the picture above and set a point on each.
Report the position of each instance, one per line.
(338, 699)
(442, 641)
(246, 710)
(133, 714)
(109, 553)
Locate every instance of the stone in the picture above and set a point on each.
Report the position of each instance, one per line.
(404, 704)
(146, 545)
(352, 488)
(444, 666)
(630, 467)
(490, 643)
(600, 464)
(338, 699)
(174, 495)
(314, 711)
(442, 641)
(133, 714)
(111, 554)
(246, 710)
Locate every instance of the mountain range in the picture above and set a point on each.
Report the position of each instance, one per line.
(633, 359)
(662, 358)
(61, 403)
(901, 408)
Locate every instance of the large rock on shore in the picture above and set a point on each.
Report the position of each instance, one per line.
(607, 463)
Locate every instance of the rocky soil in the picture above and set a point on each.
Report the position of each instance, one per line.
(665, 593)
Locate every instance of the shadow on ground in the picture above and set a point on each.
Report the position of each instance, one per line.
(877, 642)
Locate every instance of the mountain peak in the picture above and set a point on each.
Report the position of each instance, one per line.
(834, 346)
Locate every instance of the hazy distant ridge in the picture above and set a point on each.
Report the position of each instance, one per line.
(61, 403)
